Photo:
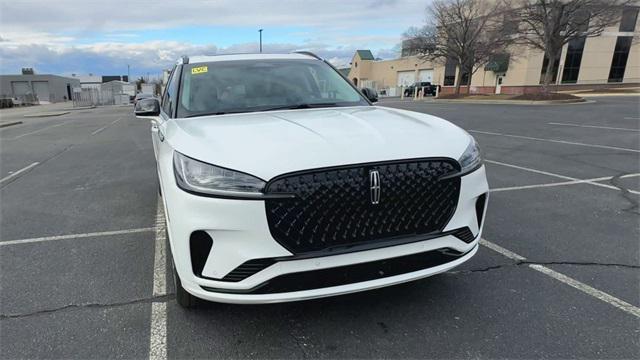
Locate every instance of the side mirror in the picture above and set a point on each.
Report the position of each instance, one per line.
(370, 94)
(147, 107)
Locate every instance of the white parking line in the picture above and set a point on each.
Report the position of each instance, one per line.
(106, 126)
(75, 236)
(39, 130)
(11, 176)
(593, 126)
(557, 141)
(158, 328)
(566, 183)
(591, 291)
(588, 181)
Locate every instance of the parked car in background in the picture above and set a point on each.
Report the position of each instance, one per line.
(282, 182)
(140, 96)
(429, 89)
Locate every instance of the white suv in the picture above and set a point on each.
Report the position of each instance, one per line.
(281, 182)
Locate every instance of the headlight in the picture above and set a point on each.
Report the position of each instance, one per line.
(470, 159)
(195, 176)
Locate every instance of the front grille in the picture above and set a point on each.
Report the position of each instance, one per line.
(333, 208)
(350, 274)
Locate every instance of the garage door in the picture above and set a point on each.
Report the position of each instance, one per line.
(20, 88)
(425, 75)
(406, 78)
(41, 88)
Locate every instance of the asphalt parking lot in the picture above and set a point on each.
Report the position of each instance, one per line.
(82, 268)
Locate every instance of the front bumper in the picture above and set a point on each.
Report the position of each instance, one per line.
(240, 233)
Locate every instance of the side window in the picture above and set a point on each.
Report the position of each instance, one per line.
(168, 101)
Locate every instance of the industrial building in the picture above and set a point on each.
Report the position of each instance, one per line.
(611, 59)
(37, 88)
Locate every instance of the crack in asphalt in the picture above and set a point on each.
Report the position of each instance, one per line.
(70, 307)
(634, 201)
(527, 262)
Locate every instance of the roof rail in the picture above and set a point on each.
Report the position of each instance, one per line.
(309, 53)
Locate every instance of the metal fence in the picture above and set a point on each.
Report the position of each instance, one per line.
(93, 97)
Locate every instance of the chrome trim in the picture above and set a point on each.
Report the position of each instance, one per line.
(374, 180)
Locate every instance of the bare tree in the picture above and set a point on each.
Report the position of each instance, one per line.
(548, 25)
(467, 32)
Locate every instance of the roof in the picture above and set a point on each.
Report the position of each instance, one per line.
(213, 58)
(365, 54)
(113, 82)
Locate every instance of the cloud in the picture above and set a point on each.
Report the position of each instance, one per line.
(112, 58)
(98, 16)
(104, 36)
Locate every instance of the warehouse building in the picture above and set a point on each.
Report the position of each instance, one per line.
(611, 59)
(37, 88)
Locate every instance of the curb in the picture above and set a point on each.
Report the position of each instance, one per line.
(513, 102)
(45, 114)
(608, 94)
(79, 108)
(10, 124)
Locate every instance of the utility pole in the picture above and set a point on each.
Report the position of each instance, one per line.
(260, 31)
(128, 75)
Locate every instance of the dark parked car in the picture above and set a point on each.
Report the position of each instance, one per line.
(428, 89)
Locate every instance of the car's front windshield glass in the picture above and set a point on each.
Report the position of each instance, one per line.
(223, 87)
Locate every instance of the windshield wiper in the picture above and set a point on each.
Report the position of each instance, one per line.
(219, 113)
(301, 106)
(283, 107)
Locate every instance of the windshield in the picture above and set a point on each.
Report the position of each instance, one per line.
(262, 85)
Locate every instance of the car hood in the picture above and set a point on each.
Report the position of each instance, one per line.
(268, 144)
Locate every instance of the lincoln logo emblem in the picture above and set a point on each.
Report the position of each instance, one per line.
(374, 180)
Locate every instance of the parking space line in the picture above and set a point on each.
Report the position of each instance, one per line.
(106, 126)
(24, 169)
(564, 183)
(39, 130)
(158, 327)
(591, 291)
(75, 236)
(592, 126)
(557, 141)
(588, 181)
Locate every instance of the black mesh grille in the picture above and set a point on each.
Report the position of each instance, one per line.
(332, 208)
(247, 269)
(464, 234)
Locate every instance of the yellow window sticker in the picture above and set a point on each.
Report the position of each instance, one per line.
(199, 70)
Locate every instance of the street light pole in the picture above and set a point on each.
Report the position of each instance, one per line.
(260, 31)
(128, 75)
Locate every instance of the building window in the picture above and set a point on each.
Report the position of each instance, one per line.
(629, 19)
(510, 25)
(450, 72)
(545, 62)
(620, 56)
(464, 80)
(573, 60)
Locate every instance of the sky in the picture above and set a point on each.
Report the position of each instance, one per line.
(103, 37)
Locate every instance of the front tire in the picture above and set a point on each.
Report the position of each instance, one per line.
(183, 297)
